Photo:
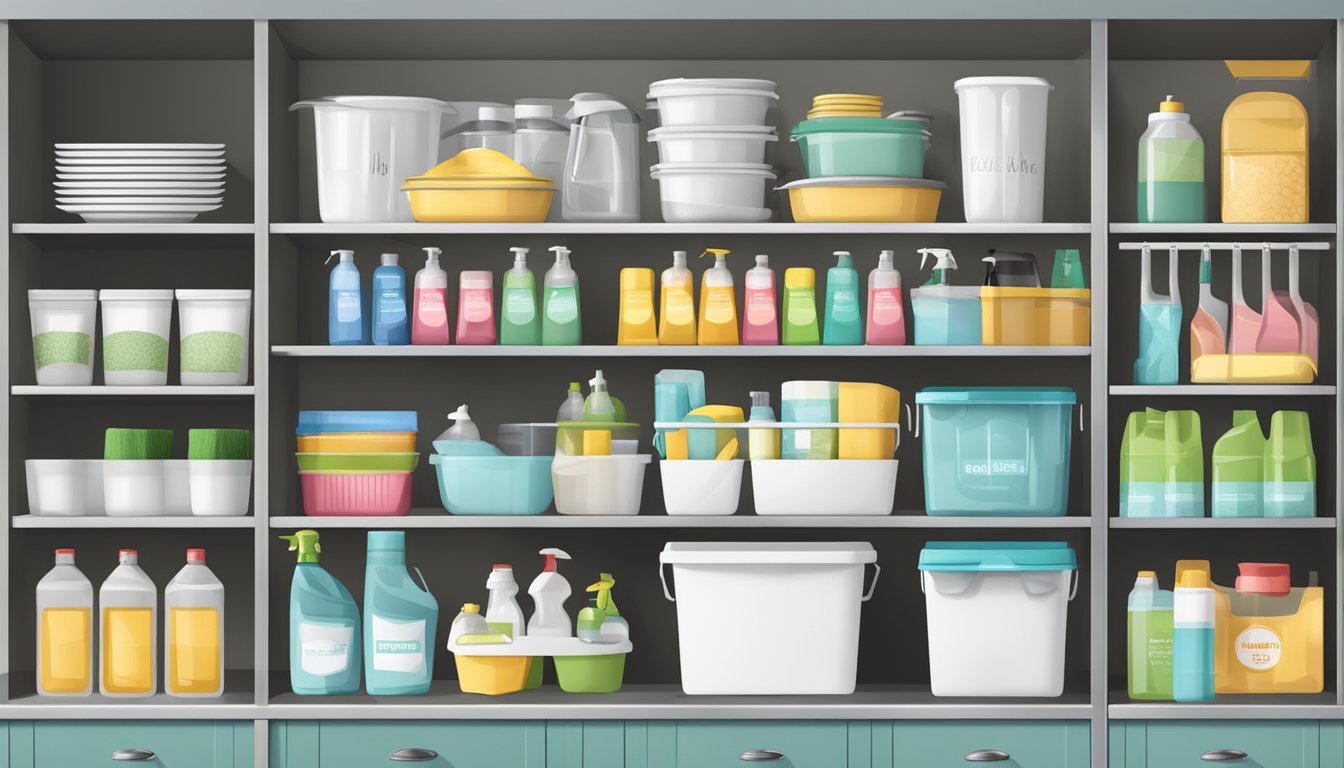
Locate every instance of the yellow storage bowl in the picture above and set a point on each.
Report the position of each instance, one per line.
(492, 675)
(358, 442)
(865, 199)
(480, 204)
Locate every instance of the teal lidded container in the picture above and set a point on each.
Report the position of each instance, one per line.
(861, 146)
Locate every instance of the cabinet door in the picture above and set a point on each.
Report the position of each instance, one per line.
(462, 744)
(803, 744)
(1010, 744)
(1201, 744)
(160, 744)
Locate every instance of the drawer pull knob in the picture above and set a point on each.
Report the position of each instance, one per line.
(134, 754)
(761, 755)
(413, 755)
(987, 756)
(1223, 756)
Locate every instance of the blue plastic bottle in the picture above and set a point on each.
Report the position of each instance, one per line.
(1192, 673)
(401, 620)
(347, 314)
(844, 321)
(391, 324)
(324, 631)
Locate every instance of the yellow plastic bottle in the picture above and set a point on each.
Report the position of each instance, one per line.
(636, 324)
(64, 630)
(128, 602)
(676, 306)
(193, 631)
(718, 302)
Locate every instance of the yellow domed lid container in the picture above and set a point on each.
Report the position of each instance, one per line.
(478, 166)
(1265, 160)
(479, 185)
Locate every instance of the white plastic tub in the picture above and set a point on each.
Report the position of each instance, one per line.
(824, 486)
(214, 327)
(62, 487)
(135, 337)
(997, 615)
(705, 487)
(63, 324)
(1003, 147)
(220, 487)
(176, 487)
(712, 101)
(768, 619)
(713, 144)
(135, 488)
(709, 192)
(598, 485)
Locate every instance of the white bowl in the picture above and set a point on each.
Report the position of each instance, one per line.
(686, 103)
(706, 192)
(713, 144)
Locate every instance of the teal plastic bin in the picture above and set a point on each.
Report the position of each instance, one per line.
(494, 485)
(996, 451)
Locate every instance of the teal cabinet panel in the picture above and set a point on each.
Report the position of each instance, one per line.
(588, 743)
(293, 744)
(1332, 743)
(461, 744)
(1183, 744)
(805, 744)
(174, 744)
(1009, 744)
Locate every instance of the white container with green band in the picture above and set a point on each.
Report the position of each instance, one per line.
(63, 323)
(220, 463)
(135, 336)
(214, 327)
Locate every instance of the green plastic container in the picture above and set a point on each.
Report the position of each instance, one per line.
(590, 674)
(355, 463)
(1290, 467)
(861, 146)
(1162, 465)
(1239, 469)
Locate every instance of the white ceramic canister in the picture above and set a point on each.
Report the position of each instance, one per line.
(220, 487)
(1003, 147)
(63, 324)
(135, 336)
(214, 327)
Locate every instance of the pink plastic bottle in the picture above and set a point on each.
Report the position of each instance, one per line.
(886, 307)
(476, 308)
(430, 322)
(760, 319)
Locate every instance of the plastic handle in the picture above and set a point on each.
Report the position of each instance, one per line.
(987, 756)
(1073, 590)
(413, 755)
(1082, 422)
(1223, 756)
(761, 755)
(662, 576)
(133, 755)
(916, 420)
(877, 571)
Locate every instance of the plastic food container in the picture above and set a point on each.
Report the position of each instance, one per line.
(341, 463)
(214, 328)
(598, 485)
(220, 487)
(996, 451)
(135, 337)
(1265, 146)
(358, 442)
(526, 439)
(1035, 316)
(134, 488)
(494, 485)
(711, 101)
(861, 146)
(713, 192)
(1003, 147)
(176, 487)
(704, 487)
(824, 486)
(382, 494)
(479, 185)
(774, 618)
(997, 614)
(63, 324)
(711, 144)
(569, 434)
(865, 199)
(64, 487)
(1253, 368)
(328, 422)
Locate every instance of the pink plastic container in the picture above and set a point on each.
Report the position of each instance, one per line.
(331, 495)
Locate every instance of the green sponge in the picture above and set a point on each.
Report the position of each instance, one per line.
(219, 444)
(156, 444)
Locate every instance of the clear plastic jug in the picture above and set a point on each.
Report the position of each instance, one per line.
(601, 178)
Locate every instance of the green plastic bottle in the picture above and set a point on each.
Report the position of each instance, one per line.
(562, 322)
(1239, 468)
(1149, 629)
(800, 306)
(519, 320)
(844, 320)
(1068, 269)
(1290, 467)
(1162, 465)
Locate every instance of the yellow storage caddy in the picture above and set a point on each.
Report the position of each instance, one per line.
(1015, 316)
(1253, 368)
(871, 403)
(1265, 168)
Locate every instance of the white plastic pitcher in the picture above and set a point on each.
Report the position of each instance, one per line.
(366, 147)
(601, 178)
(1003, 147)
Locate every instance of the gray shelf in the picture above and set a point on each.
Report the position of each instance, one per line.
(660, 228)
(1222, 230)
(171, 390)
(1230, 390)
(437, 518)
(1221, 523)
(1282, 706)
(236, 703)
(734, 351)
(170, 522)
(134, 229)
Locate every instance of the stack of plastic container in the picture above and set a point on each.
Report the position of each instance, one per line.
(711, 148)
(356, 462)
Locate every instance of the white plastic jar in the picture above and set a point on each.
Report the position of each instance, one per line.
(220, 487)
(1003, 147)
(214, 327)
(135, 336)
(135, 487)
(63, 324)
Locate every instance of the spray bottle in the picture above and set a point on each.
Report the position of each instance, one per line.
(886, 307)
(844, 320)
(572, 408)
(519, 320)
(1208, 328)
(390, 326)
(718, 302)
(347, 322)
(430, 322)
(599, 405)
(945, 314)
(635, 323)
(676, 305)
(602, 622)
(561, 323)
(549, 591)
(1159, 324)
(760, 321)
(800, 306)
(324, 626)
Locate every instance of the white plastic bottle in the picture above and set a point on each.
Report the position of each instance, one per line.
(502, 612)
(549, 591)
(128, 630)
(468, 622)
(429, 323)
(64, 630)
(193, 631)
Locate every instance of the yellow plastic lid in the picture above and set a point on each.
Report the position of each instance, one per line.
(477, 162)
(865, 98)
(1148, 574)
(1256, 69)
(800, 277)
(1171, 105)
(1193, 578)
(471, 608)
(1265, 121)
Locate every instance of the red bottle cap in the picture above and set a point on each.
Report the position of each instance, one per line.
(1269, 579)
(501, 567)
(195, 555)
(69, 552)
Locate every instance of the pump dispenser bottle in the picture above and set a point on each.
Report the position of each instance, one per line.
(844, 320)
(886, 306)
(635, 321)
(430, 322)
(676, 305)
(519, 320)
(476, 307)
(390, 322)
(718, 302)
(562, 323)
(347, 320)
(760, 320)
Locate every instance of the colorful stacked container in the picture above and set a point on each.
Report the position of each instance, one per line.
(356, 462)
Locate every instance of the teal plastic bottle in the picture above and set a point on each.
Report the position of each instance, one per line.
(844, 321)
(1192, 642)
(400, 620)
(1159, 325)
(324, 634)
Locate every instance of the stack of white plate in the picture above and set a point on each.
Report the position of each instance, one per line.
(139, 182)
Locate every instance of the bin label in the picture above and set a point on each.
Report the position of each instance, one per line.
(1259, 648)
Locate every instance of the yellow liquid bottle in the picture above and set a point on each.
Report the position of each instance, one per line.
(129, 606)
(718, 303)
(64, 630)
(676, 306)
(193, 631)
(636, 324)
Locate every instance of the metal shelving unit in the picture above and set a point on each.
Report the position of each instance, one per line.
(432, 518)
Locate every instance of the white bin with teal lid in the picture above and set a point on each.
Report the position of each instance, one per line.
(997, 613)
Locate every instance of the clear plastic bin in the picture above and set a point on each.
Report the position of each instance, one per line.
(599, 485)
(1035, 316)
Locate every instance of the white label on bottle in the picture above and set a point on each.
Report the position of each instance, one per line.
(324, 649)
(398, 646)
(562, 306)
(802, 439)
(719, 308)
(475, 306)
(520, 305)
(347, 306)
(1259, 648)
(432, 310)
(845, 305)
(760, 307)
(392, 306)
(885, 306)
